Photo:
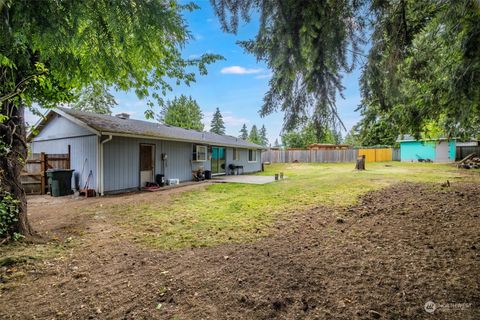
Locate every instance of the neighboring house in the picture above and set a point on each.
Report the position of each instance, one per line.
(437, 150)
(123, 154)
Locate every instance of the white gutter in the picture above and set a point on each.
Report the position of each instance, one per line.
(100, 169)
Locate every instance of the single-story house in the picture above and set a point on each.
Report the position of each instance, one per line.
(122, 154)
(436, 150)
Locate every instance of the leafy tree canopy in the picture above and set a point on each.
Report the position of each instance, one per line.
(307, 135)
(183, 112)
(306, 44)
(423, 63)
(353, 137)
(95, 98)
(423, 69)
(217, 125)
(50, 49)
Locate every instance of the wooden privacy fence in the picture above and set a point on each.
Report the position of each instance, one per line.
(462, 152)
(345, 155)
(396, 154)
(33, 176)
(289, 155)
(376, 155)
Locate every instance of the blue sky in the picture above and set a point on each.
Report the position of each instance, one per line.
(236, 85)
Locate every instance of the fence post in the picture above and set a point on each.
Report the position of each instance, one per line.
(68, 159)
(43, 167)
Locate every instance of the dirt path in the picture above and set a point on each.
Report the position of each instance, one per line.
(381, 259)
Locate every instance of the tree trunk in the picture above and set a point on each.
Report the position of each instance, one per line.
(13, 137)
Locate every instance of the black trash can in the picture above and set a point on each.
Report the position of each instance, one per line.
(60, 182)
(208, 174)
(160, 180)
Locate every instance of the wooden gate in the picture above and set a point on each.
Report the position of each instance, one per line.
(33, 176)
(376, 154)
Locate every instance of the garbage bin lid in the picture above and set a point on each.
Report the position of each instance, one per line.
(60, 170)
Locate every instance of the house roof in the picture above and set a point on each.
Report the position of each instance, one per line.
(111, 125)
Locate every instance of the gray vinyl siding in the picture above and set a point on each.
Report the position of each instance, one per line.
(122, 162)
(59, 127)
(83, 154)
(243, 161)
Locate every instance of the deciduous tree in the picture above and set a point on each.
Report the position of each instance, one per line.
(183, 112)
(51, 49)
(95, 98)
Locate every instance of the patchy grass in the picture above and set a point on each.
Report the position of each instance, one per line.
(223, 213)
(14, 257)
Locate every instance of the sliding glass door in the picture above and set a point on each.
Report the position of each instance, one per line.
(218, 160)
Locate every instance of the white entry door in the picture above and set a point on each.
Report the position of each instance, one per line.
(147, 164)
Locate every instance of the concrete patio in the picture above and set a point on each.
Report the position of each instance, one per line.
(248, 179)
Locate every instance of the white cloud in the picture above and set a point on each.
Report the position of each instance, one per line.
(240, 70)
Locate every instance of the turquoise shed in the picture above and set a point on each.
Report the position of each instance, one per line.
(436, 150)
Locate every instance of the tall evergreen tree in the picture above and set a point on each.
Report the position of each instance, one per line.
(423, 61)
(254, 137)
(217, 125)
(263, 136)
(183, 112)
(276, 145)
(244, 132)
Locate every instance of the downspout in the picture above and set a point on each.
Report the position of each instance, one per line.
(101, 173)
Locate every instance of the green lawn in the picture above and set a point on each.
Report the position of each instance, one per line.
(223, 213)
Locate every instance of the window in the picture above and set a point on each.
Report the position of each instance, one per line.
(252, 155)
(200, 154)
(236, 154)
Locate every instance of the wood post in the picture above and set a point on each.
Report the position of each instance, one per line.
(43, 169)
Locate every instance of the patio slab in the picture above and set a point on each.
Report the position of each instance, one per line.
(248, 179)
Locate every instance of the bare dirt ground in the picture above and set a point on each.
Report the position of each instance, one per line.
(383, 258)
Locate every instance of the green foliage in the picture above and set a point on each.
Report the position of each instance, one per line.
(263, 136)
(183, 112)
(244, 132)
(307, 45)
(308, 135)
(299, 138)
(8, 215)
(96, 99)
(423, 69)
(254, 136)
(50, 49)
(353, 137)
(423, 64)
(217, 125)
